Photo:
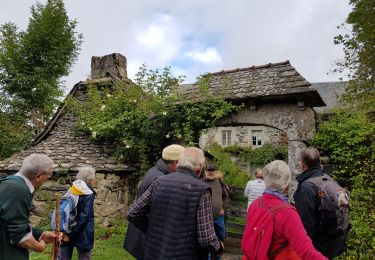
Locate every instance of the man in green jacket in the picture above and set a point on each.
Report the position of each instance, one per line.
(16, 193)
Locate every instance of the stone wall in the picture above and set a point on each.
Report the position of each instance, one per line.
(297, 123)
(241, 135)
(112, 198)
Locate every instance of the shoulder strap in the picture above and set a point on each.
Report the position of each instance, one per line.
(318, 181)
(276, 208)
(272, 211)
(278, 250)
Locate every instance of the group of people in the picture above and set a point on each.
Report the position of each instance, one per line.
(17, 236)
(298, 232)
(179, 211)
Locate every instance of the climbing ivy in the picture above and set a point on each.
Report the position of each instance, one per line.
(139, 119)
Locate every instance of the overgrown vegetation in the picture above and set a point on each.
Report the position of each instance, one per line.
(141, 119)
(262, 155)
(233, 174)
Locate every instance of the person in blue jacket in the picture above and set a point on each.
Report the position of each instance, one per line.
(82, 235)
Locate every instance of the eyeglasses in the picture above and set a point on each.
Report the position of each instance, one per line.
(48, 175)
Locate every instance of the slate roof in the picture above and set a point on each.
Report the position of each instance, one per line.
(330, 92)
(269, 81)
(68, 148)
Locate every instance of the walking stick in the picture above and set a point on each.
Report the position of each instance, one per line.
(55, 244)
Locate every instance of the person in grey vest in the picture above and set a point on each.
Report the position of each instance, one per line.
(254, 188)
(176, 212)
(220, 194)
(307, 203)
(135, 239)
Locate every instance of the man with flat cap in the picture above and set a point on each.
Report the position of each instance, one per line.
(135, 239)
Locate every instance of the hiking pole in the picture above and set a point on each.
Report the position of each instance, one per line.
(55, 245)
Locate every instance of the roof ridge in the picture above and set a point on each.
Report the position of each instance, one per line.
(268, 65)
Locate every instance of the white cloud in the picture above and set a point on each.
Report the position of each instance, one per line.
(158, 41)
(209, 55)
(152, 37)
(198, 36)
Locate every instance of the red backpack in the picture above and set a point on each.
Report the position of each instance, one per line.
(257, 237)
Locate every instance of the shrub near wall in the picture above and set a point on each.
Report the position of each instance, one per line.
(232, 172)
(262, 155)
(347, 137)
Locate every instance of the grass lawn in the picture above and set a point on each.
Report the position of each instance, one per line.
(108, 244)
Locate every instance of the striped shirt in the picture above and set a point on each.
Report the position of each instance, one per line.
(254, 189)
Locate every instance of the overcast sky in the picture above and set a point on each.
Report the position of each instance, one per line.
(198, 36)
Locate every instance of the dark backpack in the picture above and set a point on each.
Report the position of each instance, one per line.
(258, 233)
(334, 206)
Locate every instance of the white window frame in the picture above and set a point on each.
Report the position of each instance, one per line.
(226, 137)
(257, 137)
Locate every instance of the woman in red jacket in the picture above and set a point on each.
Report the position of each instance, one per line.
(273, 228)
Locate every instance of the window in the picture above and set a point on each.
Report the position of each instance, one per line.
(226, 137)
(256, 136)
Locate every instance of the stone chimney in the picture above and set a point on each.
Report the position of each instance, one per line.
(114, 63)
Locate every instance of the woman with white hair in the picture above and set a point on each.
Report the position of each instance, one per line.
(273, 228)
(82, 234)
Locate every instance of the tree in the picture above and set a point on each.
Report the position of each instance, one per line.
(359, 50)
(32, 62)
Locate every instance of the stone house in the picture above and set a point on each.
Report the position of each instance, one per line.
(257, 136)
(278, 107)
(71, 149)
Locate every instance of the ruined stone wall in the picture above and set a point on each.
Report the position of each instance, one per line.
(111, 201)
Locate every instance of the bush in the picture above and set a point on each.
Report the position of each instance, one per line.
(233, 175)
(262, 155)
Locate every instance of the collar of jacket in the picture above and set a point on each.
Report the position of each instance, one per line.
(187, 171)
(312, 172)
(162, 166)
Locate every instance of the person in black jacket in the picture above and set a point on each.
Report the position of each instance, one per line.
(82, 235)
(307, 202)
(135, 239)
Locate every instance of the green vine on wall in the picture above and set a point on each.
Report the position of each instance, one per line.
(262, 155)
(141, 118)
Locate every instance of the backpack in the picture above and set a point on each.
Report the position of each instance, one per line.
(334, 206)
(258, 233)
(68, 213)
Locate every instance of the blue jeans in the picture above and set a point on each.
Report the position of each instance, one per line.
(220, 231)
(219, 225)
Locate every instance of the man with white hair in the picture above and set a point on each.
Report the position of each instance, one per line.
(135, 238)
(176, 211)
(16, 193)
